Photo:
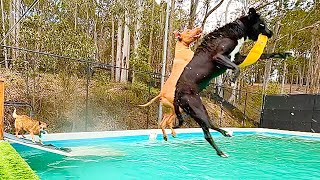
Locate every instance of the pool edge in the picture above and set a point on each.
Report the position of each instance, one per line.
(107, 134)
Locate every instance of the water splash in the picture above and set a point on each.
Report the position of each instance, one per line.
(95, 151)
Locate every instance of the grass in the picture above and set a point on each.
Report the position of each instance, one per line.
(12, 166)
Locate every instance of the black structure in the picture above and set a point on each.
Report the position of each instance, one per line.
(299, 112)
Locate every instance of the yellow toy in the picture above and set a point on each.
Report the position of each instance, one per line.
(255, 52)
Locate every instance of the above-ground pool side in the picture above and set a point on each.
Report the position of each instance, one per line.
(253, 154)
(153, 132)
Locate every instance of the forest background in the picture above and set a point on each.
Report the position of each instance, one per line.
(101, 58)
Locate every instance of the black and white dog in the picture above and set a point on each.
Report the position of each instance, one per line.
(212, 58)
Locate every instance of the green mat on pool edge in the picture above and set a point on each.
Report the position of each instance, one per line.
(12, 166)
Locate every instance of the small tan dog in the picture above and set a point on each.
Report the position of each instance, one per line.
(26, 123)
(183, 55)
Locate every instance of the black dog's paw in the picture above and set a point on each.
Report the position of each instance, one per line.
(284, 55)
(227, 133)
(222, 154)
(288, 54)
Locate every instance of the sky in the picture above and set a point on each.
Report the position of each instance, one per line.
(217, 18)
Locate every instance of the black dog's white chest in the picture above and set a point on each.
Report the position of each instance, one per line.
(236, 49)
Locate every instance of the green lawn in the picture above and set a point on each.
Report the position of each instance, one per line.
(12, 166)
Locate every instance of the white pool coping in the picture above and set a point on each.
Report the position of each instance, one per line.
(158, 132)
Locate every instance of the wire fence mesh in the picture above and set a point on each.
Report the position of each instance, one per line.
(80, 95)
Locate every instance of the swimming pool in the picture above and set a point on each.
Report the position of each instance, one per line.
(254, 154)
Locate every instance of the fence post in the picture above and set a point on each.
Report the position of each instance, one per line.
(262, 109)
(149, 91)
(87, 94)
(245, 107)
(1, 107)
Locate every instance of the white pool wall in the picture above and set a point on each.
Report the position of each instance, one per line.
(106, 134)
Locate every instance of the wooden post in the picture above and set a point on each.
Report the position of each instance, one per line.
(1, 107)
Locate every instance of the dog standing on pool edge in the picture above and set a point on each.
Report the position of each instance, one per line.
(211, 59)
(26, 123)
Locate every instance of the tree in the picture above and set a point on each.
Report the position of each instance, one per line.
(119, 45)
(192, 14)
(125, 50)
(209, 12)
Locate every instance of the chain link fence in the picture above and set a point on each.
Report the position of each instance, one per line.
(74, 95)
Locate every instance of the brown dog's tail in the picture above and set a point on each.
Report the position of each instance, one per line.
(150, 102)
(14, 114)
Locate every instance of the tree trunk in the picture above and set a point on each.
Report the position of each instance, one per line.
(308, 76)
(208, 13)
(17, 28)
(95, 39)
(75, 17)
(151, 34)
(112, 47)
(137, 32)
(192, 14)
(226, 12)
(125, 50)
(4, 33)
(170, 50)
(119, 53)
(11, 19)
(268, 65)
(283, 80)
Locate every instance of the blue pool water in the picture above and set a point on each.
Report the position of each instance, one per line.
(189, 156)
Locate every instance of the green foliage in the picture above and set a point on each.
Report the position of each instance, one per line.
(139, 62)
(12, 166)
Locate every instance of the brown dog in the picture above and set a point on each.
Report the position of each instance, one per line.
(26, 123)
(183, 55)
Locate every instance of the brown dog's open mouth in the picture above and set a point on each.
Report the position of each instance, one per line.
(197, 36)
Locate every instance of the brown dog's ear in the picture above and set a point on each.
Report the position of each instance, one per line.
(177, 35)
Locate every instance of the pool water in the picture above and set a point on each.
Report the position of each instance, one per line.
(252, 156)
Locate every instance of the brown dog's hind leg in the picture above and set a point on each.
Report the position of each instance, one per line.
(170, 124)
(17, 132)
(168, 121)
(163, 126)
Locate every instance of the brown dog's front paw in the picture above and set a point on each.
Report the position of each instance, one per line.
(165, 138)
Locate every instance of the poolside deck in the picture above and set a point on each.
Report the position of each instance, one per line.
(12, 166)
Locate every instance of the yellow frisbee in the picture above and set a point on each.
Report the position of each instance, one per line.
(255, 52)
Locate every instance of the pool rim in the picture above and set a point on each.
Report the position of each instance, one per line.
(139, 132)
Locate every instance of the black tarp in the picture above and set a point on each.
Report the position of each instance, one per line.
(299, 112)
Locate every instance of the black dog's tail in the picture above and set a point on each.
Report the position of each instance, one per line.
(177, 111)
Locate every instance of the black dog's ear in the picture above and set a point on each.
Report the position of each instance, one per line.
(39, 123)
(252, 11)
(253, 15)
